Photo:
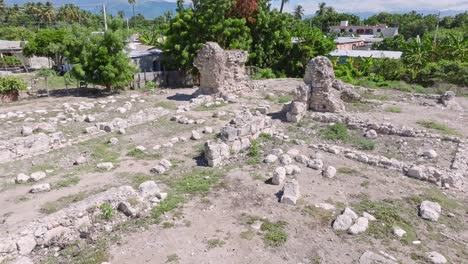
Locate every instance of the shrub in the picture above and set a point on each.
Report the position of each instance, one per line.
(106, 211)
(275, 235)
(9, 61)
(11, 83)
(266, 73)
(335, 132)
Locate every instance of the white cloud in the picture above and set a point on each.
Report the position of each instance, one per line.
(378, 5)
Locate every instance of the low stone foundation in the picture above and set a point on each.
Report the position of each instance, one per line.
(236, 136)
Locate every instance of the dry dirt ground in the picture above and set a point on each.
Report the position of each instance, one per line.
(235, 216)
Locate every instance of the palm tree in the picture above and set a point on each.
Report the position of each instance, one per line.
(298, 12)
(47, 12)
(132, 2)
(282, 5)
(69, 12)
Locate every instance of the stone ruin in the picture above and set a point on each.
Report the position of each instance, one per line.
(81, 220)
(321, 91)
(221, 71)
(236, 136)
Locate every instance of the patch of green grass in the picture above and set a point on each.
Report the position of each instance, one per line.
(85, 253)
(337, 132)
(169, 204)
(166, 105)
(275, 233)
(214, 243)
(363, 143)
(395, 85)
(52, 207)
(172, 258)
(264, 137)
(257, 176)
(138, 154)
(42, 167)
(389, 214)
(393, 109)
(373, 96)
(67, 182)
(325, 217)
(254, 153)
(107, 212)
(247, 235)
(435, 195)
(361, 106)
(431, 124)
(282, 99)
(197, 182)
(346, 170)
(100, 150)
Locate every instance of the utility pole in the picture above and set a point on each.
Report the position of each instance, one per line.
(105, 16)
(128, 28)
(437, 31)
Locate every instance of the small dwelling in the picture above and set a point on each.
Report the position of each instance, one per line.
(146, 58)
(375, 54)
(382, 30)
(12, 58)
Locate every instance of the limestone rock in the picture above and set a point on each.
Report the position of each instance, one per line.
(270, 158)
(195, 135)
(105, 166)
(127, 209)
(398, 231)
(22, 178)
(290, 192)
(158, 169)
(436, 258)
(430, 154)
(279, 176)
(342, 222)
(26, 244)
(292, 169)
(369, 217)
(349, 212)
(372, 134)
(329, 172)
(316, 164)
(45, 187)
(148, 188)
(113, 141)
(44, 128)
(372, 258)
(360, 226)
(165, 163)
(430, 210)
(23, 260)
(285, 159)
(26, 131)
(38, 175)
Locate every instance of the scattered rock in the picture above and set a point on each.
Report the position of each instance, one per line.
(292, 169)
(329, 172)
(430, 210)
(369, 217)
(105, 166)
(23, 260)
(270, 158)
(80, 160)
(148, 188)
(360, 226)
(302, 159)
(26, 244)
(89, 119)
(45, 187)
(349, 212)
(316, 164)
(195, 135)
(436, 258)
(430, 154)
(285, 159)
(398, 231)
(113, 141)
(22, 178)
(372, 134)
(158, 169)
(128, 210)
(165, 163)
(208, 130)
(38, 175)
(372, 258)
(44, 128)
(279, 176)
(290, 192)
(342, 222)
(26, 131)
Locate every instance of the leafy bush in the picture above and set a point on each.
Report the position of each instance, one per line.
(9, 61)
(266, 73)
(335, 132)
(107, 212)
(11, 83)
(455, 72)
(388, 69)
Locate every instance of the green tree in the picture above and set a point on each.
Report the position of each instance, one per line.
(299, 12)
(132, 2)
(207, 20)
(47, 43)
(283, 2)
(99, 58)
(46, 74)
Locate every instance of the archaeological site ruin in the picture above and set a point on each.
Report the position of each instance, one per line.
(310, 170)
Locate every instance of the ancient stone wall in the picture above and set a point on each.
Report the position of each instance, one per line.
(81, 220)
(221, 71)
(236, 136)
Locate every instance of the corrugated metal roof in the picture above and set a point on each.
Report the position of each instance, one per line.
(138, 54)
(376, 54)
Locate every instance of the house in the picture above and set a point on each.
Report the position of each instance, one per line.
(352, 43)
(375, 30)
(375, 54)
(15, 49)
(146, 58)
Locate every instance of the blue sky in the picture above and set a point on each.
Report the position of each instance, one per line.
(379, 5)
